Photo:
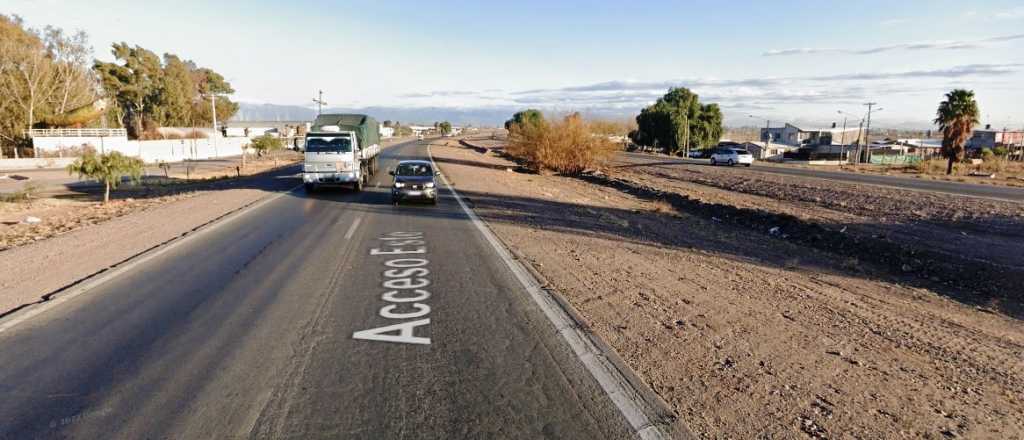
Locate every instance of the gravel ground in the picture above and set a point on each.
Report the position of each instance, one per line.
(747, 335)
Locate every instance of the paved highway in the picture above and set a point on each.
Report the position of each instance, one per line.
(335, 315)
(962, 189)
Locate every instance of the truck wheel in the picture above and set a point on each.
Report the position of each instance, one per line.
(359, 183)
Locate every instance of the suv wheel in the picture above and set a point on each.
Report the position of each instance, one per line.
(713, 162)
(730, 162)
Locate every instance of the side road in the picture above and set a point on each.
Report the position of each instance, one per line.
(84, 243)
(744, 334)
(29, 272)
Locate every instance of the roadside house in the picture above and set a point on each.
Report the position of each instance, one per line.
(989, 138)
(794, 136)
(772, 152)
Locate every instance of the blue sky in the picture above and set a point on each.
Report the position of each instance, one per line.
(784, 60)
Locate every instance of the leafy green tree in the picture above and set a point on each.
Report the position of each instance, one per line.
(108, 168)
(956, 117)
(176, 94)
(529, 117)
(43, 74)
(445, 127)
(149, 92)
(678, 121)
(133, 84)
(265, 144)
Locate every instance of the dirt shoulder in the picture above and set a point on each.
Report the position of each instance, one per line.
(748, 335)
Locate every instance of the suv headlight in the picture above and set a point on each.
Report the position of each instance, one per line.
(399, 185)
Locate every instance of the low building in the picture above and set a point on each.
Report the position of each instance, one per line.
(989, 138)
(794, 136)
(765, 151)
(386, 132)
(922, 147)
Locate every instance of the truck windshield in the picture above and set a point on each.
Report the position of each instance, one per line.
(325, 144)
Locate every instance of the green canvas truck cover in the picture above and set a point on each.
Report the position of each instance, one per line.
(367, 129)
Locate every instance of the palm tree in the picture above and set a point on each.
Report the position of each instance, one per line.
(956, 116)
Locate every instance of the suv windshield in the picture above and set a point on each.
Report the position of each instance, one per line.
(332, 144)
(413, 169)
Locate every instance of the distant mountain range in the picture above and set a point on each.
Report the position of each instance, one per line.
(476, 116)
(407, 115)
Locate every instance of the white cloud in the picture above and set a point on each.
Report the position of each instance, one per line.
(929, 45)
(1011, 14)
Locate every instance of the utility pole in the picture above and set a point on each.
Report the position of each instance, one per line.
(867, 132)
(842, 142)
(320, 103)
(860, 142)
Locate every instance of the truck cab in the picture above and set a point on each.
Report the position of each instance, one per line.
(340, 154)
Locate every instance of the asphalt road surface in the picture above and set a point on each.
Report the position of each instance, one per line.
(962, 189)
(276, 325)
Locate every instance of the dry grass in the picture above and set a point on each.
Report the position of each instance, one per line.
(568, 145)
(664, 208)
(26, 194)
(995, 165)
(610, 127)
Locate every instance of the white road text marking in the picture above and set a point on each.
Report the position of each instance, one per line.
(405, 282)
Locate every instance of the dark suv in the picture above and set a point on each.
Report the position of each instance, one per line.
(414, 180)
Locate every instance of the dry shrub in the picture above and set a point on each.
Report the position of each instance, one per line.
(609, 127)
(936, 166)
(567, 145)
(661, 206)
(993, 164)
(195, 134)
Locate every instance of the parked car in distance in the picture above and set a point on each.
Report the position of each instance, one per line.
(414, 180)
(731, 156)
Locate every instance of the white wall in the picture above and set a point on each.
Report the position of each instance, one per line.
(31, 163)
(166, 150)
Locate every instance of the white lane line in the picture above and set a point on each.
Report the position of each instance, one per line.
(353, 227)
(628, 401)
(116, 271)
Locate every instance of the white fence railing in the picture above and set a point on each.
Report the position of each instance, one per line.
(77, 132)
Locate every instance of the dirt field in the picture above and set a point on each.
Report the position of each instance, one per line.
(970, 248)
(752, 334)
(61, 211)
(1006, 173)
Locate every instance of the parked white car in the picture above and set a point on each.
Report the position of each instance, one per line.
(731, 156)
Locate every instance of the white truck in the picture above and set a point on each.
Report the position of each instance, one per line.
(340, 150)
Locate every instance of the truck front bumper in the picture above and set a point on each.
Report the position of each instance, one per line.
(339, 178)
